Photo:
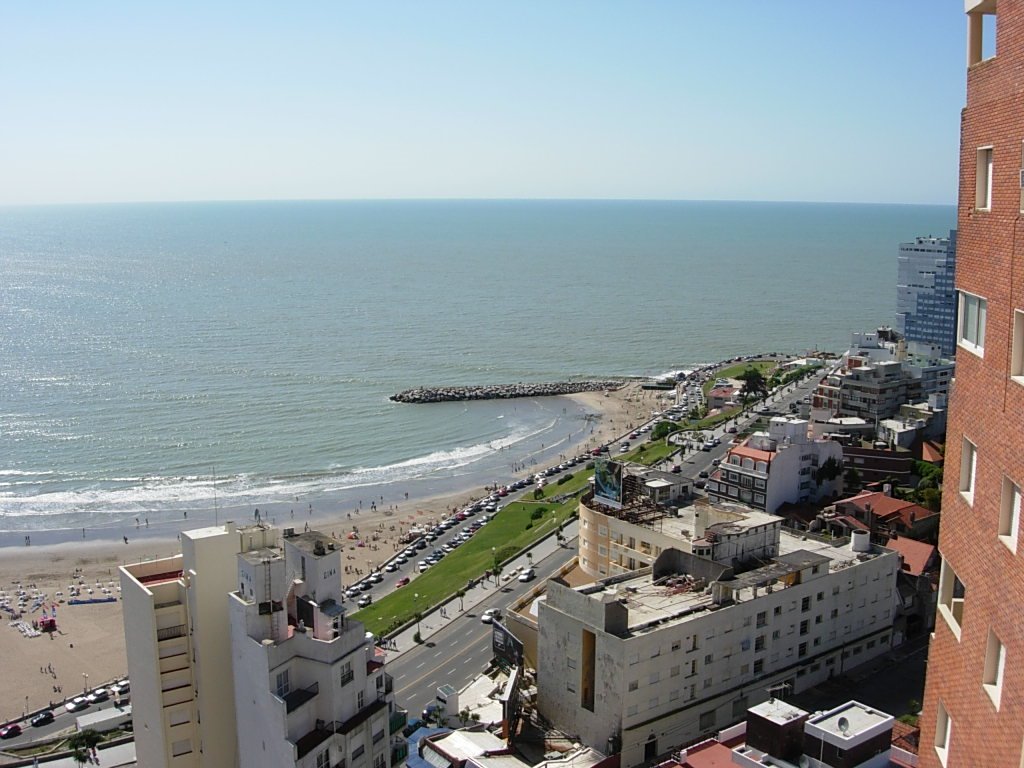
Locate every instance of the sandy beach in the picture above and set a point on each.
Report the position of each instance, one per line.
(88, 648)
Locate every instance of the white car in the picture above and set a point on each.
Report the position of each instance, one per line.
(77, 704)
(490, 615)
(526, 575)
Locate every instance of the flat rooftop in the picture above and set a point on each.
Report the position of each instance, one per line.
(257, 556)
(680, 598)
(778, 711)
(851, 721)
(307, 543)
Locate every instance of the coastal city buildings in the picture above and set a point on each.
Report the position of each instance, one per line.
(925, 297)
(879, 374)
(240, 653)
(784, 464)
(973, 708)
(646, 660)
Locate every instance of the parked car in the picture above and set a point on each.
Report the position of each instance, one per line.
(402, 582)
(121, 688)
(77, 704)
(43, 718)
(365, 600)
(98, 696)
(10, 731)
(391, 567)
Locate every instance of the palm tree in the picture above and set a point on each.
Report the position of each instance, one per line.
(460, 594)
(82, 744)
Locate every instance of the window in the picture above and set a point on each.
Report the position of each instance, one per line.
(182, 747)
(802, 650)
(360, 697)
(283, 686)
(323, 759)
(634, 684)
(654, 678)
(346, 673)
(1009, 515)
(759, 643)
(995, 661)
(358, 752)
(758, 666)
(674, 671)
(707, 720)
(1017, 348)
(804, 627)
(971, 324)
(778, 610)
(952, 593)
(378, 761)
(676, 645)
(709, 658)
(983, 180)
(943, 733)
(968, 467)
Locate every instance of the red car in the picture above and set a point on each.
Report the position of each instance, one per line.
(402, 582)
(10, 731)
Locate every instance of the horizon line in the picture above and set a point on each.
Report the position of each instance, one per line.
(461, 200)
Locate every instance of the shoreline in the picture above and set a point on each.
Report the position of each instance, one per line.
(89, 648)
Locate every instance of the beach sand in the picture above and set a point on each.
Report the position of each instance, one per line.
(90, 638)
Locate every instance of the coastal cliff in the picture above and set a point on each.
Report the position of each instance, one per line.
(501, 391)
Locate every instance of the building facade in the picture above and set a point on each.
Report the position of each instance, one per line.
(925, 294)
(178, 648)
(974, 697)
(314, 693)
(645, 661)
(240, 654)
(782, 465)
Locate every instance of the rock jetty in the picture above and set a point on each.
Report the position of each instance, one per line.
(500, 391)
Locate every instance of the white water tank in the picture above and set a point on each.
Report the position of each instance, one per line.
(860, 541)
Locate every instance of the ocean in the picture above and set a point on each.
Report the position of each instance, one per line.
(163, 359)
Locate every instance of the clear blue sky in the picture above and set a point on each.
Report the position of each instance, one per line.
(831, 100)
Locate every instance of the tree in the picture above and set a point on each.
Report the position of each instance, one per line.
(83, 744)
(754, 385)
(662, 429)
(829, 470)
(852, 478)
(460, 594)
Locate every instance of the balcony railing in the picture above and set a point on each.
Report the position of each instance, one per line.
(296, 699)
(398, 721)
(168, 633)
(321, 733)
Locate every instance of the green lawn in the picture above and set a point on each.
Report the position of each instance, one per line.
(764, 366)
(649, 453)
(511, 531)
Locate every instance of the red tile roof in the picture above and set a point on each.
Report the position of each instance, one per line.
(915, 554)
(885, 508)
(752, 453)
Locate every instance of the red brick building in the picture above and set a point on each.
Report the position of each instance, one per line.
(974, 698)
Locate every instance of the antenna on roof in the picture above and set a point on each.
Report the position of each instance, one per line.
(781, 687)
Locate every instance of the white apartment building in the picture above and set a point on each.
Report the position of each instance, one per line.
(780, 465)
(644, 661)
(314, 693)
(187, 630)
(178, 647)
(617, 541)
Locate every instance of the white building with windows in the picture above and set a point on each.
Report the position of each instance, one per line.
(643, 661)
(781, 465)
(314, 693)
(240, 654)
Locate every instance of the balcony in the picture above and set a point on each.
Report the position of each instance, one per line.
(296, 699)
(169, 633)
(321, 733)
(398, 721)
(362, 716)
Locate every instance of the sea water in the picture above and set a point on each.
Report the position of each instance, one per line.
(162, 359)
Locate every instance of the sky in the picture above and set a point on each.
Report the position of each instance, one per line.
(831, 100)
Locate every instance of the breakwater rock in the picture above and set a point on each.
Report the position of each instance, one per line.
(501, 391)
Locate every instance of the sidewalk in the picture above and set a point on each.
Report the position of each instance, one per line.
(433, 621)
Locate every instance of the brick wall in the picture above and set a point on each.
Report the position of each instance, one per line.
(988, 408)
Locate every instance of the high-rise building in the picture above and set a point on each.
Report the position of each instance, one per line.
(974, 707)
(925, 294)
(240, 654)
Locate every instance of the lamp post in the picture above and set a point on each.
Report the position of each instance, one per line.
(85, 682)
(416, 606)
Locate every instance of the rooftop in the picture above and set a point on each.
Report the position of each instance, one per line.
(314, 543)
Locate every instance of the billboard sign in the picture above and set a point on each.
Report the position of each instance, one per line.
(608, 482)
(506, 647)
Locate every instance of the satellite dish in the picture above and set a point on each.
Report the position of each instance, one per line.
(844, 725)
